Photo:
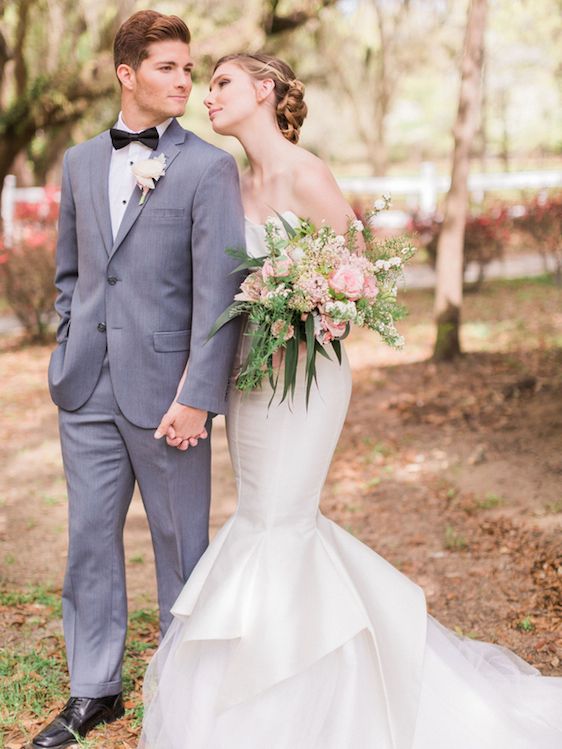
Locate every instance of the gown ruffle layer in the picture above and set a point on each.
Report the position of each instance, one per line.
(291, 634)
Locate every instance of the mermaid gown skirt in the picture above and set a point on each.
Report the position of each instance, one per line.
(291, 634)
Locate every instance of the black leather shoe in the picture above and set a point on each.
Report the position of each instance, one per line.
(78, 716)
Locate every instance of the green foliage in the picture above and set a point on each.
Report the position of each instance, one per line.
(34, 594)
(29, 683)
(453, 540)
(490, 501)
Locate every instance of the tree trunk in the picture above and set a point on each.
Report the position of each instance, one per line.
(448, 292)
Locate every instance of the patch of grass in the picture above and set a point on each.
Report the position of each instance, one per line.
(39, 594)
(454, 541)
(490, 501)
(137, 559)
(135, 715)
(29, 683)
(51, 501)
(554, 508)
(546, 279)
(9, 559)
(371, 483)
(461, 633)
(144, 616)
(526, 624)
(379, 451)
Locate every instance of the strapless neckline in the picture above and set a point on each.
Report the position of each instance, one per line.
(284, 214)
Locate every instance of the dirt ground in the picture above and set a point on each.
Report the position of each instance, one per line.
(452, 472)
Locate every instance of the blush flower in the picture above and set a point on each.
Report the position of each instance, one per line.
(278, 327)
(250, 289)
(347, 280)
(370, 289)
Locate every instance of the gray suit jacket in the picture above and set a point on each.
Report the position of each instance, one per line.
(152, 295)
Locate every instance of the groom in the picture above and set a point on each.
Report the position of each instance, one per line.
(141, 282)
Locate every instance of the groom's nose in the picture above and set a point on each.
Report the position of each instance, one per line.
(183, 79)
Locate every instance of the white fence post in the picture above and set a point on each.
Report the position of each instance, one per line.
(428, 188)
(8, 206)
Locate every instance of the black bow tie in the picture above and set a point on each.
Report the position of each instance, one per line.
(121, 138)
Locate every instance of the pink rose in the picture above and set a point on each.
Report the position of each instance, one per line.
(335, 328)
(370, 289)
(250, 288)
(267, 271)
(278, 268)
(348, 281)
(277, 329)
(283, 266)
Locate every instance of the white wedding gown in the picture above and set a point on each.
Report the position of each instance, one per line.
(291, 634)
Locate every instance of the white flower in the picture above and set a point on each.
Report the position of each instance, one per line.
(379, 205)
(357, 225)
(341, 310)
(147, 173)
(382, 265)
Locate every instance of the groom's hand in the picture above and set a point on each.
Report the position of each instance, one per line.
(182, 426)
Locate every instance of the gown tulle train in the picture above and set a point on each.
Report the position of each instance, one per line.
(291, 634)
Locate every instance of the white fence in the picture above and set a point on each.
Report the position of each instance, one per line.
(426, 187)
(422, 190)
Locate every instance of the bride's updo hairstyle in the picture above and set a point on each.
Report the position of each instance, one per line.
(290, 108)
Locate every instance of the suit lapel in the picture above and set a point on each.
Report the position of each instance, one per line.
(100, 160)
(172, 138)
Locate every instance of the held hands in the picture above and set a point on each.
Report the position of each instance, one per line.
(183, 426)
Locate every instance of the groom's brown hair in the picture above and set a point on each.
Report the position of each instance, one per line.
(141, 30)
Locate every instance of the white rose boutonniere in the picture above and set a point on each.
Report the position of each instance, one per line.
(148, 172)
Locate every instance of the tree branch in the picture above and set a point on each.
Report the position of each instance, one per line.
(277, 24)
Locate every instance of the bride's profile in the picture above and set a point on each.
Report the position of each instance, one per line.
(290, 633)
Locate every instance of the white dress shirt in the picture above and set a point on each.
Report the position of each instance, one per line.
(122, 181)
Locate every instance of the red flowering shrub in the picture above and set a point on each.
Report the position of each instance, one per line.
(540, 220)
(27, 270)
(485, 237)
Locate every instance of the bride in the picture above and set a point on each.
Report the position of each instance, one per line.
(290, 633)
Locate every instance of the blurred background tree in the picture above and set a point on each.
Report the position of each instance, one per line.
(449, 285)
(380, 75)
(55, 71)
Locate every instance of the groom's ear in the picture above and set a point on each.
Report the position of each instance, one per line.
(264, 88)
(126, 76)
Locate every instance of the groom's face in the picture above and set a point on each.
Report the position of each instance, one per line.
(161, 85)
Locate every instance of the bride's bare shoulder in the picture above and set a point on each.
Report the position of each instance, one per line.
(317, 193)
(310, 171)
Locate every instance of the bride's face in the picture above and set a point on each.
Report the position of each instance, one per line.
(233, 97)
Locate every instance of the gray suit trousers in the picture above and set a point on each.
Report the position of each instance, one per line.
(103, 455)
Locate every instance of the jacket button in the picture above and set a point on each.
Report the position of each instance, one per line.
(112, 280)
(101, 327)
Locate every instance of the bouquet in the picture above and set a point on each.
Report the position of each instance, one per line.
(310, 287)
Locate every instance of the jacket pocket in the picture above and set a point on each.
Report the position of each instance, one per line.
(168, 213)
(166, 341)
